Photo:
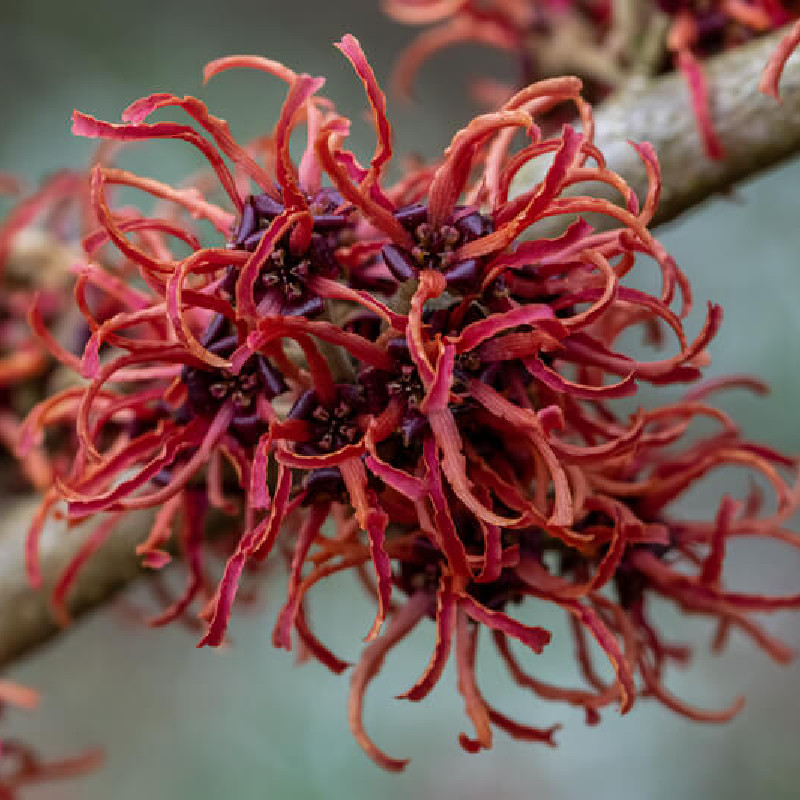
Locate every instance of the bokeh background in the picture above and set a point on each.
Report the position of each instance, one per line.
(246, 722)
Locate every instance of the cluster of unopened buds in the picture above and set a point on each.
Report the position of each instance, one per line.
(404, 384)
(606, 42)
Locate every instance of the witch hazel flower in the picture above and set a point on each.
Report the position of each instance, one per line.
(390, 377)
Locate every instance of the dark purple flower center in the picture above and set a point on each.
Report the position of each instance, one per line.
(209, 389)
(284, 280)
(406, 386)
(259, 211)
(331, 427)
(283, 286)
(436, 247)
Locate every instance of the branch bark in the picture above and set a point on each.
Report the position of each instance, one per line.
(26, 620)
(757, 133)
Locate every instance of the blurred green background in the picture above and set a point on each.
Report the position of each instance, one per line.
(245, 722)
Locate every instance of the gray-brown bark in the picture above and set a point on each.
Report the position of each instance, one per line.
(26, 620)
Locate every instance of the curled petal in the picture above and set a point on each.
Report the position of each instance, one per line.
(454, 466)
(368, 667)
(655, 687)
(558, 383)
(533, 637)
(446, 608)
(316, 647)
(477, 332)
(439, 390)
(447, 535)
(408, 485)
(453, 31)
(282, 635)
(275, 68)
(466, 647)
(334, 459)
(245, 284)
(140, 109)
(89, 547)
(698, 91)
(450, 178)
(189, 198)
(431, 285)
(712, 566)
(271, 328)
(377, 213)
(301, 89)
(527, 421)
(565, 157)
(377, 521)
(770, 78)
(325, 287)
(86, 125)
(590, 701)
(350, 46)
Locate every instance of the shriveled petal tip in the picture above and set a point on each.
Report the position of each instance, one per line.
(376, 531)
(368, 667)
(533, 637)
(248, 62)
(446, 609)
(226, 594)
(84, 125)
(592, 621)
(422, 12)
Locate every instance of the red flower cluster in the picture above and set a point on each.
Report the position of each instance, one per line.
(19, 765)
(698, 28)
(406, 385)
(37, 237)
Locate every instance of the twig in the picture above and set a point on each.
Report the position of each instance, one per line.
(26, 620)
